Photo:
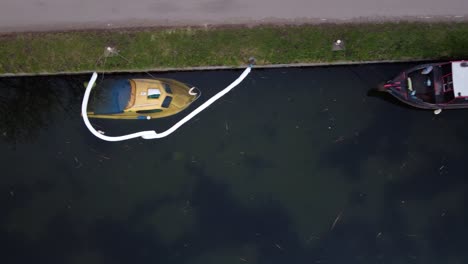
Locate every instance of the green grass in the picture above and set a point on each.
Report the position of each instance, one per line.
(230, 46)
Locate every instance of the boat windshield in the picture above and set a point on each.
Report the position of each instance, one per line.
(110, 97)
(167, 101)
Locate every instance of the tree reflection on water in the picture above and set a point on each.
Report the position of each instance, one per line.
(26, 104)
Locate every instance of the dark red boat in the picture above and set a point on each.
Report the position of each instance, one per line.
(432, 86)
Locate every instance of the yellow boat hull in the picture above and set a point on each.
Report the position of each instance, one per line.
(152, 98)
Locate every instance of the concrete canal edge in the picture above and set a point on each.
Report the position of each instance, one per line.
(212, 68)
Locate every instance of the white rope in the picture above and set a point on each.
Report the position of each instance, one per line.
(151, 134)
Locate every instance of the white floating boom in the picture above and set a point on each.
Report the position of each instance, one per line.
(151, 134)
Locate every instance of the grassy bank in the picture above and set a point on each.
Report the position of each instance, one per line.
(230, 46)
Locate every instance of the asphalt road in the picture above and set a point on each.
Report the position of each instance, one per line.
(37, 15)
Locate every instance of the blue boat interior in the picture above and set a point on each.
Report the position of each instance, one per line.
(111, 97)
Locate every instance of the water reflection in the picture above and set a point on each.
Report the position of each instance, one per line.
(28, 104)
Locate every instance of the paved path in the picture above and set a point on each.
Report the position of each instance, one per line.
(36, 15)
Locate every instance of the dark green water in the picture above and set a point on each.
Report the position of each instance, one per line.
(293, 166)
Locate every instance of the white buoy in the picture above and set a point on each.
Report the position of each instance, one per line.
(437, 111)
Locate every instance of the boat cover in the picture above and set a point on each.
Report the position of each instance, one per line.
(460, 78)
(111, 97)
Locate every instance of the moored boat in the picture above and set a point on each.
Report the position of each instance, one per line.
(432, 86)
(140, 98)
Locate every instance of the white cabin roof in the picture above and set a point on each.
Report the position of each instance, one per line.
(460, 78)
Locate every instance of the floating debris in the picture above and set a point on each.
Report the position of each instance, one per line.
(79, 164)
(279, 247)
(336, 220)
(339, 139)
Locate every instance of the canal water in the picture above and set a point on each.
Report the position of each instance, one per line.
(298, 165)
